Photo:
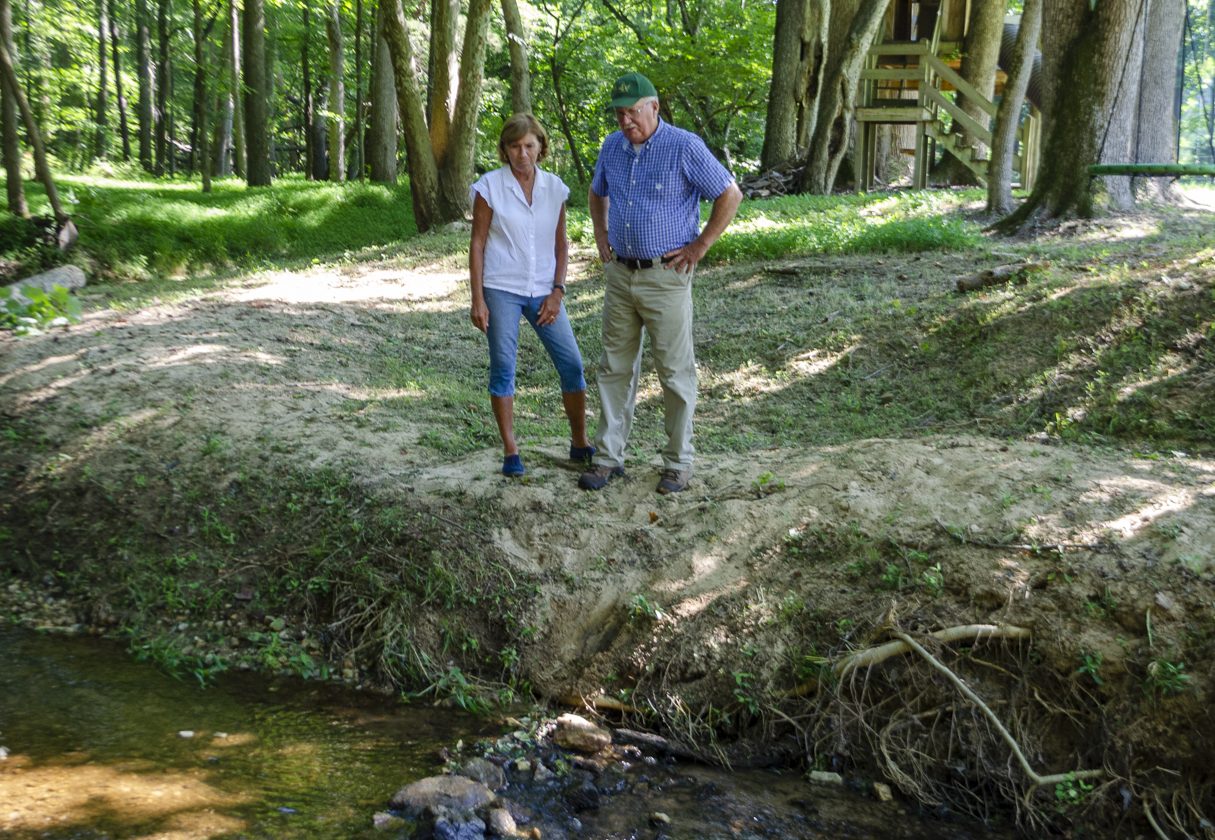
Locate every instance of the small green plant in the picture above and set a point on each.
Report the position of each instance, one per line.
(743, 691)
(44, 309)
(641, 607)
(1166, 677)
(1090, 666)
(1071, 791)
(766, 483)
(933, 579)
(892, 577)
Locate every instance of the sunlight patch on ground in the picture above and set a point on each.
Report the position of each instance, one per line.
(1160, 505)
(34, 367)
(814, 362)
(328, 286)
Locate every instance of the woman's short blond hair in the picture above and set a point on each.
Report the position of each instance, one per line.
(519, 126)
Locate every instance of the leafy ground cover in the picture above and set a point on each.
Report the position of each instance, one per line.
(293, 467)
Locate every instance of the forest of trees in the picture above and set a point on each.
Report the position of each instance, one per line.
(355, 89)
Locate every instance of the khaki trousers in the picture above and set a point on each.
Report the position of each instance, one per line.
(659, 301)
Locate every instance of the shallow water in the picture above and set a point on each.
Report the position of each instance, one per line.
(95, 749)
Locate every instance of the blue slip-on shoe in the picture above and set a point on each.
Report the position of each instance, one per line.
(512, 466)
(581, 454)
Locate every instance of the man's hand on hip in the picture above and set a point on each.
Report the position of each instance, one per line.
(685, 258)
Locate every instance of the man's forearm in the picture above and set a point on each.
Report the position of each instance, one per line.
(724, 208)
(597, 206)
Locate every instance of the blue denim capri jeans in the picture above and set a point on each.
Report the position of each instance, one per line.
(505, 310)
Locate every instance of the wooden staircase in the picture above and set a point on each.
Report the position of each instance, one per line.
(907, 83)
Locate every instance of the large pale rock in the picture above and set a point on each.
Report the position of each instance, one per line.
(455, 793)
(578, 733)
(68, 276)
(484, 771)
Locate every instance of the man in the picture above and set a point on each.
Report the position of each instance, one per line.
(645, 208)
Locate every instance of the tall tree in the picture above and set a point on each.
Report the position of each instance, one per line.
(12, 85)
(164, 79)
(200, 129)
(337, 94)
(224, 104)
(123, 126)
(358, 154)
(383, 128)
(1008, 116)
(309, 103)
(1091, 95)
(439, 161)
(14, 183)
(143, 69)
(799, 53)
(1156, 121)
(238, 99)
(101, 115)
(257, 90)
(520, 75)
(833, 127)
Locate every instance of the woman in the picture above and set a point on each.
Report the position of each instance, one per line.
(517, 261)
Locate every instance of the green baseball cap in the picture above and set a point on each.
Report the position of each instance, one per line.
(629, 88)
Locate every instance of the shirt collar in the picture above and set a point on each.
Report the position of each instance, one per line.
(625, 141)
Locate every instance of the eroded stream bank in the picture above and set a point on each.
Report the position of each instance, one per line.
(97, 745)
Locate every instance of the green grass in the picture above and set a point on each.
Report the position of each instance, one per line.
(143, 229)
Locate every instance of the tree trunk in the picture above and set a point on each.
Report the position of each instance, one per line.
(272, 83)
(837, 103)
(238, 96)
(1008, 117)
(980, 55)
(102, 113)
(123, 127)
(799, 51)
(14, 182)
(1156, 121)
(41, 167)
(337, 96)
(456, 161)
(310, 154)
(257, 140)
(428, 209)
(317, 136)
(143, 61)
(442, 73)
(224, 107)
(382, 131)
(520, 76)
(162, 88)
(1093, 94)
(201, 129)
(359, 164)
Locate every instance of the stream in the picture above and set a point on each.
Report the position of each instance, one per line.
(94, 744)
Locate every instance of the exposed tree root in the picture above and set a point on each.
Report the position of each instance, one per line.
(1034, 776)
(875, 655)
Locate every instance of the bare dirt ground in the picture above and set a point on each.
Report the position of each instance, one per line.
(721, 610)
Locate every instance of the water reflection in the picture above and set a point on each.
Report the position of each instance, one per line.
(97, 747)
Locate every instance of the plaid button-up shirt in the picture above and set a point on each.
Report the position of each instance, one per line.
(654, 194)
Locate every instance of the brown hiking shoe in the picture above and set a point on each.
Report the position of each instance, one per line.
(599, 476)
(674, 481)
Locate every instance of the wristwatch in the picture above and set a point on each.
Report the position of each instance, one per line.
(559, 287)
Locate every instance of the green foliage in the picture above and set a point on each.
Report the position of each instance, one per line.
(852, 224)
(1071, 792)
(641, 607)
(144, 229)
(1090, 666)
(43, 309)
(1166, 677)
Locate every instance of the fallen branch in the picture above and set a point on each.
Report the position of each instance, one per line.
(1011, 273)
(1034, 776)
